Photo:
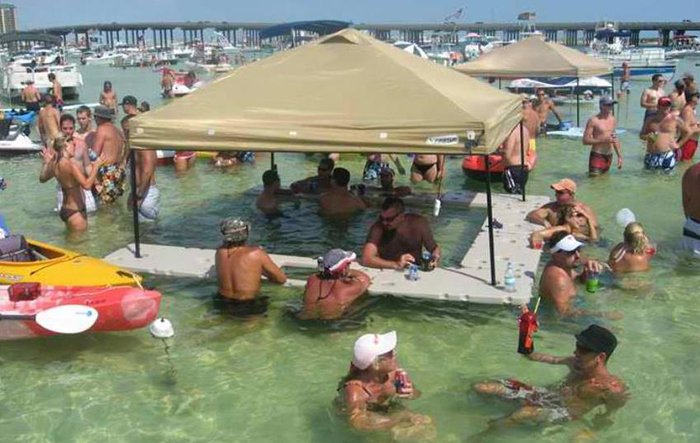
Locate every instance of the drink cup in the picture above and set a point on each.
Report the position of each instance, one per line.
(651, 249)
(592, 283)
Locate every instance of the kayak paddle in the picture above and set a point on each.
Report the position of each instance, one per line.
(65, 319)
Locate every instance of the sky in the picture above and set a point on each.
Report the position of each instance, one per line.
(45, 13)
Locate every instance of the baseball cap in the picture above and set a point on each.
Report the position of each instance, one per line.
(370, 346)
(564, 185)
(664, 101)
(234, 229)
(597, 339)
(129, 100)
(608, 101)
(566, 244)
(336, 260)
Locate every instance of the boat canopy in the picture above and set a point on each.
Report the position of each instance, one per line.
(535, 57)
(346, 92)
(320, 27)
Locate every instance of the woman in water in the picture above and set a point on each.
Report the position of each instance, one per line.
(374, 383)
(73, 181)
(572, 220)
(634, 253)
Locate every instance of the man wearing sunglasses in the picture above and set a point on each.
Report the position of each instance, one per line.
(397, 239)
(317, 184)
(652, 94)
(544, 107)
(565, 192)
(588, 385)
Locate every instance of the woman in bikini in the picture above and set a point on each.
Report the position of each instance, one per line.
(73, 181)
(374, 383)
(572, 220)
(634, 253)
(427, 167)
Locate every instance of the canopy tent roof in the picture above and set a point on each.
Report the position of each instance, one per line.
(346, 92)
(320, 27)
(534, 57)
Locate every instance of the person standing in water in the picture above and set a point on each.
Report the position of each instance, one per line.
(690, 118)
(56, 91)
(516, 169)
(651, 95)
(634, 253)
(600, 134)
(31, 97)
(544, 107)
(661, 132)
(108, 98)
(49, 122)
(691, 209)
(427, 167)
(625, 81)
(338, 201)
(85, 131)
(109, 144)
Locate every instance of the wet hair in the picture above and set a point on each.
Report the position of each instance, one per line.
(68, 117)
(84, 109)
(393, 202)
(655, 77)
(635, 238)
(679, 84)
(270, 177)
(326, 163)
(563, 211)
(48, 99)
(689, 95)
(52, 76)
(107, 83)
(341, 176)
(145, 106)
(59, 144)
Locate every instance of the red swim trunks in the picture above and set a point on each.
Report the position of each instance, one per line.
(599, 163)
(687, 151)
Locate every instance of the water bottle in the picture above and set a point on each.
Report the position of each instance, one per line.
(509, 279)
(413, 272)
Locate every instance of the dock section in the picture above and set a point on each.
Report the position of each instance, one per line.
(469, 282)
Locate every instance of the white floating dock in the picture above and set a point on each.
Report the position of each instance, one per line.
(470, 282)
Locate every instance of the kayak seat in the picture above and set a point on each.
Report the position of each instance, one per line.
(14, 248)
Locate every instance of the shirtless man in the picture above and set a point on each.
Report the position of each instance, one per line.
(588, 385)
(49, 125)
(147, 193)
(691, 209)
(85, 132)
(692, 126)
(239, 268)
(650, 97)
(557, 283)
(108, 98)
(338, 200)
(268, 201)
(625, 80)
(427, 167)
(334, 288)
(109, 144)
(397, 239)
(530, 117)
(167, 81)
(601, 136)
(387, 188)
(544, 107)
(660, 132)
(565, 192)
(677, 97)
(56, 91)
(31, 97)
(318, 183)
(689, 80)
(514, 174)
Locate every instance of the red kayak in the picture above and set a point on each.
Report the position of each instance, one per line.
(119, 308)
(474, 166)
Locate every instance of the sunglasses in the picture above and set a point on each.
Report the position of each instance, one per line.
(570, 253)
(388, 219)
(389, 355)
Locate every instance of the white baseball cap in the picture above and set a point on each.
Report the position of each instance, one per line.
(567, 244)
(370, 346)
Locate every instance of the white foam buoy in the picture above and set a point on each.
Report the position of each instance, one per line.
(161, 328)
(624, 217)
(436, 207)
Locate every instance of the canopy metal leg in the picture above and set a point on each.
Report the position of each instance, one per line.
(522, 155)
(489, 211)
(135, 205)
(273, 166)
(578, 104)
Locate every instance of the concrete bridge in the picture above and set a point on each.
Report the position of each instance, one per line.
(248, 33)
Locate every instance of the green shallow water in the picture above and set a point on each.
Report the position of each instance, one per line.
(273, 378)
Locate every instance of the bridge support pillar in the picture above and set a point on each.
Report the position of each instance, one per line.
(551, 35)
(665, 39)
(571, 37)
(588, 36)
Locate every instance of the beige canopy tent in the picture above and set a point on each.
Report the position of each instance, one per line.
(346, 92)
(535, 57)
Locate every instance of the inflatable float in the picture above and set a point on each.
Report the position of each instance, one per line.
(474, 166)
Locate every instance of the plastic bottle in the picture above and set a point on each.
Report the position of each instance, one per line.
(527, 327)
(413, 272)
(509, 279)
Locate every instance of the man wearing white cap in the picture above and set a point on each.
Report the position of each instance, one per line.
(373, 382)
(557, 284)
(335, 286)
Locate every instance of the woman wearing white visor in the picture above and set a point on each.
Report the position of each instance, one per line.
(373, 385)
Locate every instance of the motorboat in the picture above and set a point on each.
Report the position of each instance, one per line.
(411, 48)
(100, 58)
(684, 46)
(14, 136)
(21, 68)
(561, 86)
(477, 44)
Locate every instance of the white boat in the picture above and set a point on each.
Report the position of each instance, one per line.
(19, 70)
(476, 44)
(13, 138)
(180, 90)
(100, 58)
(411, 48)
(183, 52)
(597, 85)
(683, 46)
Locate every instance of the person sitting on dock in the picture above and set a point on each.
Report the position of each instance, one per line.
(338, 200)
(634, 253)
(31, 97)
(691, 209)
(318, 183)
(335, 286)
(557, 283)
(56, 91)
(686, 151)
(600, 134)
(651, 95)
(108, 97)
(49, 122)
(387, 188)
(515, 174)
(109, 144)
(268, 200)
(544, 107)
(397, 239)
(588, 385)
(239, 268)
(565, 192)
(427, 167)
(661, 133)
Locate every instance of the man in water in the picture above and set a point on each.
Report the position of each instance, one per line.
(397, 239)
(31, 97)
(625, 80)
(268, 201)
(689, 80)
(130, 107)
(691, 208)
(85, 132)
(108, 98)
(530, 118)
(56, 91)
(660, 132)
(651, 95)
(318, 183)
(109, 144)
(334, 288)
(515, 173)
(565, 193)
(557, 284)
(588, 385)
(239, 268)
(677, 97)
(601, 136)
(690, 119)
(387, 188)
(49, 122)
(544, 107)
(338, 200)
(427, 167)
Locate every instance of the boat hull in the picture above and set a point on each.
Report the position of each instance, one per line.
(474, 166)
